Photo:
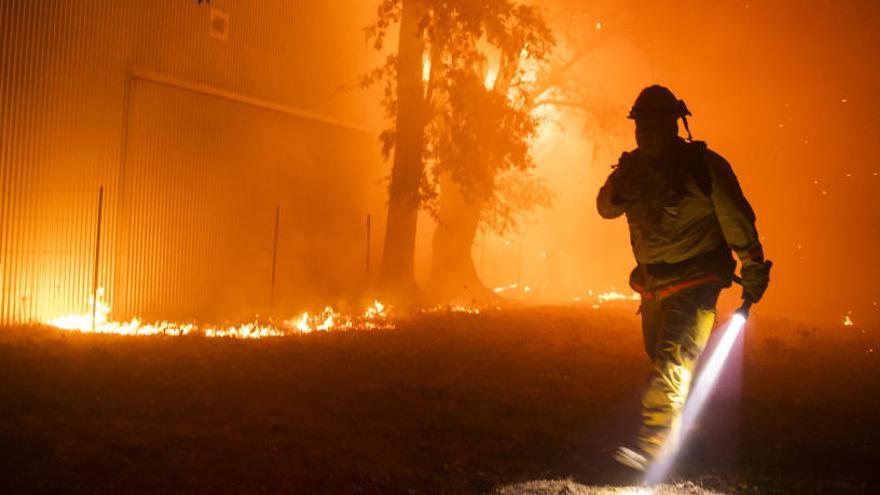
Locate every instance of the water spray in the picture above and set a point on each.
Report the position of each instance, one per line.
(705, 383)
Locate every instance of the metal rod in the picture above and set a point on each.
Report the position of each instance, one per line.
(97, 258)
(274, 257)
(195, 87)
(369, 229)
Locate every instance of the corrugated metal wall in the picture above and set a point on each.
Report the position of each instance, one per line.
(195, 140)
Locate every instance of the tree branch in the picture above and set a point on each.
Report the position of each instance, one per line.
(561, 103)
(557, 74)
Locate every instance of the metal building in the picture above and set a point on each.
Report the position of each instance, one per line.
(199, 121)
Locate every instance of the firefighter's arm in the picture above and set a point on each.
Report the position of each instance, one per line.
(624, 186)
(737, 220)
(606, 204)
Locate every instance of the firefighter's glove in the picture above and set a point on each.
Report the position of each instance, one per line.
(755, 278)
(628, 181)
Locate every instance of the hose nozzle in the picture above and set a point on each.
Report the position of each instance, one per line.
(744, 309)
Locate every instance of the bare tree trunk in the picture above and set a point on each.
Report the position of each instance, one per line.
(453, 275)
(396, 275)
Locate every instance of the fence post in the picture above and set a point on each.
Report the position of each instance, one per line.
(97, 258)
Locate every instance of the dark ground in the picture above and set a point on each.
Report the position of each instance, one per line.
(443, 404)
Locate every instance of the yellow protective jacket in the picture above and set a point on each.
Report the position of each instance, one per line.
(682, 228)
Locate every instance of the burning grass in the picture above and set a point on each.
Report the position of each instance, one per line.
(449, 402)
(98, 320)
(376, 316)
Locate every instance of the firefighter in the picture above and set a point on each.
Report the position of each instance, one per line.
(686, 213)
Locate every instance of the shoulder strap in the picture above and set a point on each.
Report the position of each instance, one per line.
(696, 159)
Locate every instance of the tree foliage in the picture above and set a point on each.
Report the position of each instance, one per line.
(478, 131)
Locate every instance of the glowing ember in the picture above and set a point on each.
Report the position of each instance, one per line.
(847, 322)
(328, 320)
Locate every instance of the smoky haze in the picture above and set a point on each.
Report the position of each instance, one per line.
(784, 90)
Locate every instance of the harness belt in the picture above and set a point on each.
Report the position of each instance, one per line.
(672, 289)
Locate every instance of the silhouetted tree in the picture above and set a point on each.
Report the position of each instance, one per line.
(477, 121)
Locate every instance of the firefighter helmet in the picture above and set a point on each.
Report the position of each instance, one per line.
(658, 101)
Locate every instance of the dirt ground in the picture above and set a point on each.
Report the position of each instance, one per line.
(516, 401)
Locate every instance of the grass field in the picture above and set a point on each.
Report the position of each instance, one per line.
(445, 403)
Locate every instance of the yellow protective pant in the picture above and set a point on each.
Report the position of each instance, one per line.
(675, 330)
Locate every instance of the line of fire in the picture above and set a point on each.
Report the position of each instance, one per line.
(439, 246)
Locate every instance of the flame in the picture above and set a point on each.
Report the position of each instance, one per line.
(102, 324)
(491, 76)
(500, 289)
(376, 310)
(301, 323)
(426, 68)
(596, 299)
(375, 317)
(617, 296)
(455, 308)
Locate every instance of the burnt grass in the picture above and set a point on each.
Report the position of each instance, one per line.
(443, 404)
